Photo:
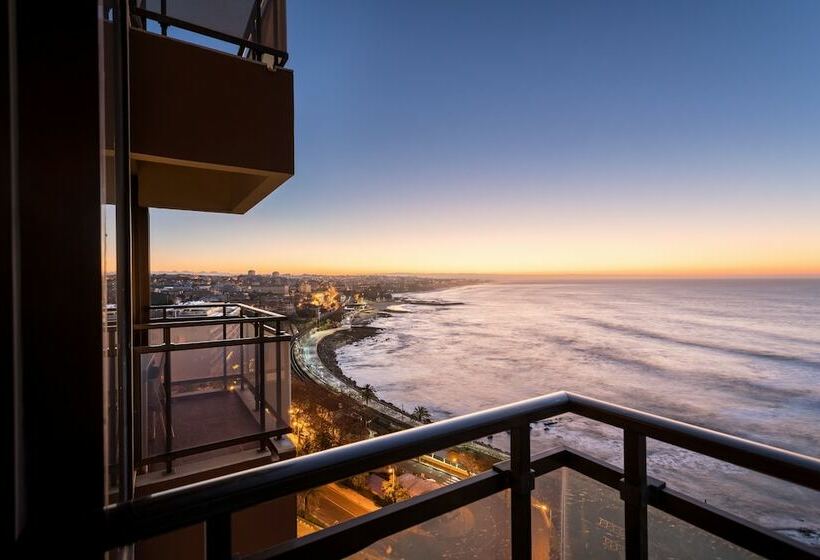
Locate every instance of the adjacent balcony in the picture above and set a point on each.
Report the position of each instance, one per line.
(213, 392)
(211, 104)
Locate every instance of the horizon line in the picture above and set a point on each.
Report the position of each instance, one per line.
(525, 275)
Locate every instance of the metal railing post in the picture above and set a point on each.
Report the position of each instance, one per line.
(257, 27)
(522, 484)
(260, 380)
(279, 403)
(256, 365)
(225, 356)
(113, 395)
(241, 355)
(163, 9)
(137, 399)
(166, 336)
(634, 495)
(218, 537)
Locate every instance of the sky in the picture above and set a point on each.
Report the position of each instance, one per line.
(537, 137)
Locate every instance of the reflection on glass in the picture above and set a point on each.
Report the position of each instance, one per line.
(478, 530)
(587, 521)
(573, 517)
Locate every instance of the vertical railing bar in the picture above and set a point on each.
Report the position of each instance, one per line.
(218, 544)
(522, 484)
(260, 380)
(634, 495)
(143, 19)
(113, 392)
(256, 365)
(241, 354)
(279, 405)
(166, 337)
(257, 8)
(163, 9)
(137, 400)
(225, 356)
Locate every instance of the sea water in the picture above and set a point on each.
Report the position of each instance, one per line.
(738, 356)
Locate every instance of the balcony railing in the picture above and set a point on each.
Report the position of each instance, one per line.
(214, 501)
(256, 27)
(211, 377)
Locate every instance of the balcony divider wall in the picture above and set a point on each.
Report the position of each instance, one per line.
(55, 196)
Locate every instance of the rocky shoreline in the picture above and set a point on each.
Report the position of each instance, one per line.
(328, 346)
(481, 453)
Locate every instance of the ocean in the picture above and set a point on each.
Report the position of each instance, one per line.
(738, 356)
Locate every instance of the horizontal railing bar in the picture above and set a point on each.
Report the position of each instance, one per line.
(253, 309)
(541, 463)
(159, 322)
(353, 535)
(210, 321)
(280, 56)
(544, 462)
(779, 463)
(218, 378)
(192, 305)
(218, 305)
(165, 511)
(720, 523)
(195, 450)
(605, 473)
(169, 510)
(177, 346)
(727, 526)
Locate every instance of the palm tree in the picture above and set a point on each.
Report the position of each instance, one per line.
(421, 414)
(368, 393)
(393, 491)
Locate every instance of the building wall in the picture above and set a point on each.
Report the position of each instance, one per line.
(58, 424)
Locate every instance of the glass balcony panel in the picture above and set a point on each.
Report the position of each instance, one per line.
(786, 508)
(576, 517)
(277, 379)
(155, 337)
(670, 537)
(477, 530)
(235, 18)
(196, 334)
(228, 17)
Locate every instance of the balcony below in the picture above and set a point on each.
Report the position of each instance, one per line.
(213, 393)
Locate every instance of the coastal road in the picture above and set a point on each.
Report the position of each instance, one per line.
(311, 364)
(333, 503)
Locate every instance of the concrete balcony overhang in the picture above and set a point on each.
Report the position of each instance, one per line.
(210, 131)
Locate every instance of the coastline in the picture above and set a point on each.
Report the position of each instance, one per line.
(766, 500)
(360, 328)
(328, 346)
(383, 414)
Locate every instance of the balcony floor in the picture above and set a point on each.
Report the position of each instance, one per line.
(206, 417)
